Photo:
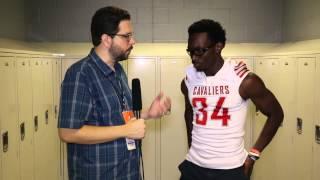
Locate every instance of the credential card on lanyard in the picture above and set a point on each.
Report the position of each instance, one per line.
(127, 115)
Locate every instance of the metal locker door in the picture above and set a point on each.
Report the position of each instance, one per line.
(285, 93)
(303, 135)
(173, 134)
(316, 139)
(24, 83)
(39, 124)
(145, 70)
(51, 125)
(9, 120)
(265, 68)
(56, 97)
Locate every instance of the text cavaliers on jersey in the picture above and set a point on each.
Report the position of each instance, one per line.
(210, 90)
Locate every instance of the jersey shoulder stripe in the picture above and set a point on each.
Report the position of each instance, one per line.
(241, 69)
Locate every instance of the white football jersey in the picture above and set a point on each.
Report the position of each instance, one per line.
(219, 114)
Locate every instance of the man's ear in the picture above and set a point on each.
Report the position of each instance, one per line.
(219, 47)
(106, 40)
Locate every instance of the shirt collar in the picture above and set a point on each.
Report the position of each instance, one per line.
(105, 69)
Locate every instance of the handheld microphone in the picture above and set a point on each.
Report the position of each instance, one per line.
(137, 107)
(136, 98)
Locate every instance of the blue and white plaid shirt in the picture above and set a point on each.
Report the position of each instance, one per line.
(90, 96)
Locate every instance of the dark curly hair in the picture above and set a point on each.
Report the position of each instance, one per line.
(214, 30)
(106, 21)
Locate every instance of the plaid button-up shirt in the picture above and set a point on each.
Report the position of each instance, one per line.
(91, 95)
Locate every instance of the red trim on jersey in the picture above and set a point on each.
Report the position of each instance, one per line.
(241, 69)
(244, 73)
(240, 64)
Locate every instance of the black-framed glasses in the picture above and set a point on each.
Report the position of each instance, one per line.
(198, 51)
(128, 36)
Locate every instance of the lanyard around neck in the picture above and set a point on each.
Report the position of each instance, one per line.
(119, 91)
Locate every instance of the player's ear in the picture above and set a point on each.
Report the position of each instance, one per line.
(106, 40)
(219, 46)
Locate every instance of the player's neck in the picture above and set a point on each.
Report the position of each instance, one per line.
(217, 65)
(105, 57)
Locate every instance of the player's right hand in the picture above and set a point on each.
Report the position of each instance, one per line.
(135, 129)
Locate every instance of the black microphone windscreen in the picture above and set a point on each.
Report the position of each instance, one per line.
(136, 95)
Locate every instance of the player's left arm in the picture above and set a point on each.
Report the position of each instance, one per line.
(252, 87)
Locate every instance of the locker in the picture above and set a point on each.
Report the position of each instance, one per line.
(304, 133)
(265, 68)
(145, 70)
(51, 124)
(282, 142)
(1, 135)
(316, 140)
(173, 134)
(56, 75)
(9, 119)
(39, 121)
(24, 84)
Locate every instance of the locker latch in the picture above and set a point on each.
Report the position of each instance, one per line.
(22, 131)
(47, 116)
(5, 141)
(55, 111)
(299, 125)
(317, 133)
(35, 123)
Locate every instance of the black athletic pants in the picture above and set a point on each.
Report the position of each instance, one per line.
(190, 171)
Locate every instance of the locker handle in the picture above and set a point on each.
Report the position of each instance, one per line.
(5, 141)
(55, 111)
(22, 131)
(299, 125)
(317, 134)
(36, 123)
(306, 64)
(47, 116)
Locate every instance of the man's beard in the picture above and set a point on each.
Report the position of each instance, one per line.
(118, 54)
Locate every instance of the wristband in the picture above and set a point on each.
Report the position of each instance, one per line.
(254, 154)
(254, 158)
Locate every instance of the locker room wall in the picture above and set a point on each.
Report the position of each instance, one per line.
(12, 18)
(156, 20)
(300, 20)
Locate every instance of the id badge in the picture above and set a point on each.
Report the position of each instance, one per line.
(127, 115)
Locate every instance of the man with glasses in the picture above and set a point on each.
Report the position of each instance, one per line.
(95, 117)
(216, 101)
